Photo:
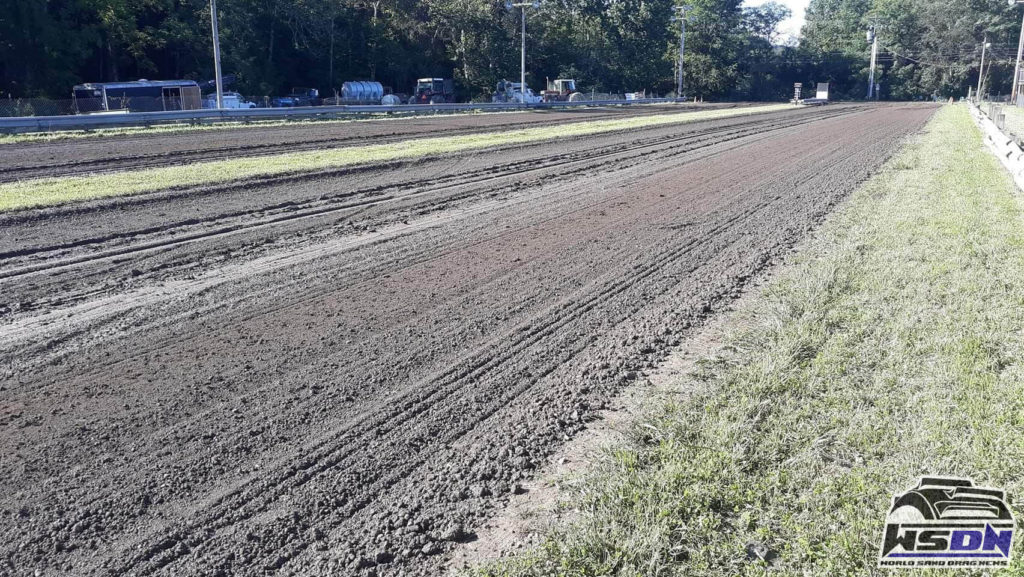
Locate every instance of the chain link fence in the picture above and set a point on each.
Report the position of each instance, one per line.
(36, 107)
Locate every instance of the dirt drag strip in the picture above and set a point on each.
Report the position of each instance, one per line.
(226, 219)
(354, 391)
(131, 151)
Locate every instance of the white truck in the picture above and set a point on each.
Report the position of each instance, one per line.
(231, 100)
(513, 92)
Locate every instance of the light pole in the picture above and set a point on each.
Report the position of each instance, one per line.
(682, 10)
(216, 55)
(509, 5)
(1014, 92)
(981, 71)
(873, 39)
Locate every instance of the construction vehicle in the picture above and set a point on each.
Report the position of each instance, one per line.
(513, 92)
(433, 91)
(561, 90)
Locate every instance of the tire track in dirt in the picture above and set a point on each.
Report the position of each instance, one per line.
(331, 453)
(420, 197)
(563, 165)
(665, 155)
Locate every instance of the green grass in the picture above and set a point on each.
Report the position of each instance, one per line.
(890, 347)
(50, 191)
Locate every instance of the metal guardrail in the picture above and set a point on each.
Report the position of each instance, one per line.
(113, 120)
(1004, 146)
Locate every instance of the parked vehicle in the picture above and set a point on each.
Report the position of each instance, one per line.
(283, 102)
(433, 91)
(298, 97)
(561, 90)
(137, 96)
(230, 100)
(513, 92)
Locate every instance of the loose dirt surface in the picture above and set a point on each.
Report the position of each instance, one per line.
(348, 371)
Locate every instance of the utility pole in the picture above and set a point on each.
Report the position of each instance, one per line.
(981, 71)
(216, 55)
(682, 10)
(1014, 92)
(522, 64)
(873, 39)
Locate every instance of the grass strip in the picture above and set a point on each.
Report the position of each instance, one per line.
(50, 191)
(889, 348)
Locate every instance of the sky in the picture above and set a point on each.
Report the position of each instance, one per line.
(790, 28)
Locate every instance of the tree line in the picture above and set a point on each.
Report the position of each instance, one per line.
(926, 47)
(930, 47)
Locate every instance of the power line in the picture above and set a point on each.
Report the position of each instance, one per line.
(924, 62)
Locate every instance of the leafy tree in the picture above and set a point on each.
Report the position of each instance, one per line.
(762, 22)
(46, 46)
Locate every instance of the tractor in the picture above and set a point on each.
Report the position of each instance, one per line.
(561, 90)
(433, 91)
